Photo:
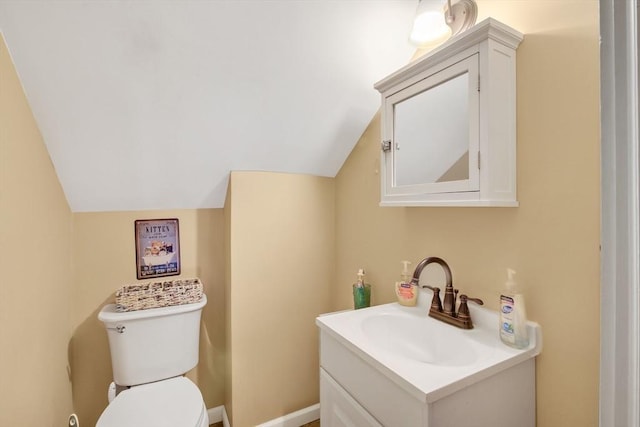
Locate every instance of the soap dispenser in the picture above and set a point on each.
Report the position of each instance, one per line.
(513, 318)
(406, 291)
(361, 292)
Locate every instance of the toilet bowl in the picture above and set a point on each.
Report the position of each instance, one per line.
(175, 402)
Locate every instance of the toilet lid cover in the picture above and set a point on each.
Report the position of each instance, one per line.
(176, 402)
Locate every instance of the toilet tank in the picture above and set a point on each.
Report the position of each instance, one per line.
(153, 344)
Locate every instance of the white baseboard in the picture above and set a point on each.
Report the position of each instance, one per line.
(296, 419)
(218, 414)
(225, 419)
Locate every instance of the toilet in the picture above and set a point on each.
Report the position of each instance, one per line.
(150, 351)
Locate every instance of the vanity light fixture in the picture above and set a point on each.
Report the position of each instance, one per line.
(437, 20)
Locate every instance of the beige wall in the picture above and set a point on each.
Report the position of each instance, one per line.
(104, 260)
(552, 239)
(280, 270)
(35, 261)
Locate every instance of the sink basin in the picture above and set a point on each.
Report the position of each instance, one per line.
(419, 338)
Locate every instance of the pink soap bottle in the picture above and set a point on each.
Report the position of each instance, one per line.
(406, 292)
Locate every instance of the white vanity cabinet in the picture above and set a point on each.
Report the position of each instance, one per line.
(356, 394)
(363, 383)
(449, 123)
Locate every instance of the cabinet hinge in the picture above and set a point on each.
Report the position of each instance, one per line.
(386, 145)
(478, 82)
(478, 159)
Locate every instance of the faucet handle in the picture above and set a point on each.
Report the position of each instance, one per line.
(464, 298)
(436, 304)
(463, 310)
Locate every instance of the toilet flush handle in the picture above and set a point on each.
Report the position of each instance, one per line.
(73, 421)
(119, 329)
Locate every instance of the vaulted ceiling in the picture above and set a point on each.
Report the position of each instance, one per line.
(149, 104)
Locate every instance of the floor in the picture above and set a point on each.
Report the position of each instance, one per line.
(315, 423)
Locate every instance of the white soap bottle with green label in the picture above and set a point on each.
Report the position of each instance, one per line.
(513, 317)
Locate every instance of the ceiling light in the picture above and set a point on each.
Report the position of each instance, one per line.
(437, 20)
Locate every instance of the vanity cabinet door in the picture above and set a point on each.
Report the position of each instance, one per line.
(338, 408)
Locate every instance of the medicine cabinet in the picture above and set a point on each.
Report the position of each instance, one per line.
(449, 123)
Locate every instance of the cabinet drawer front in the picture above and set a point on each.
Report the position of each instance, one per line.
(339, 409)
(385, 400)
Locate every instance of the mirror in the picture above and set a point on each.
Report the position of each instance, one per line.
(431, 134)
(434, 133)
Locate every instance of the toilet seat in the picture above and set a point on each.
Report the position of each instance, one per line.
(175, 402)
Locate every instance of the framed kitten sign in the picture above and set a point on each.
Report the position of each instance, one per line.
(157, 248)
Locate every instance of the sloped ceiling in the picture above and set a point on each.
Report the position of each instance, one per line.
(150, 104)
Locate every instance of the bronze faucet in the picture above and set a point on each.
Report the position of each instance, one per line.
(446, 310)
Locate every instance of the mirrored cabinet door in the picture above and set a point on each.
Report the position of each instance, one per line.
(433, 133)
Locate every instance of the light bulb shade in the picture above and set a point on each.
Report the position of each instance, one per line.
(429, 25)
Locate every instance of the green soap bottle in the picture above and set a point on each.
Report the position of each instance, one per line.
(361, 292)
